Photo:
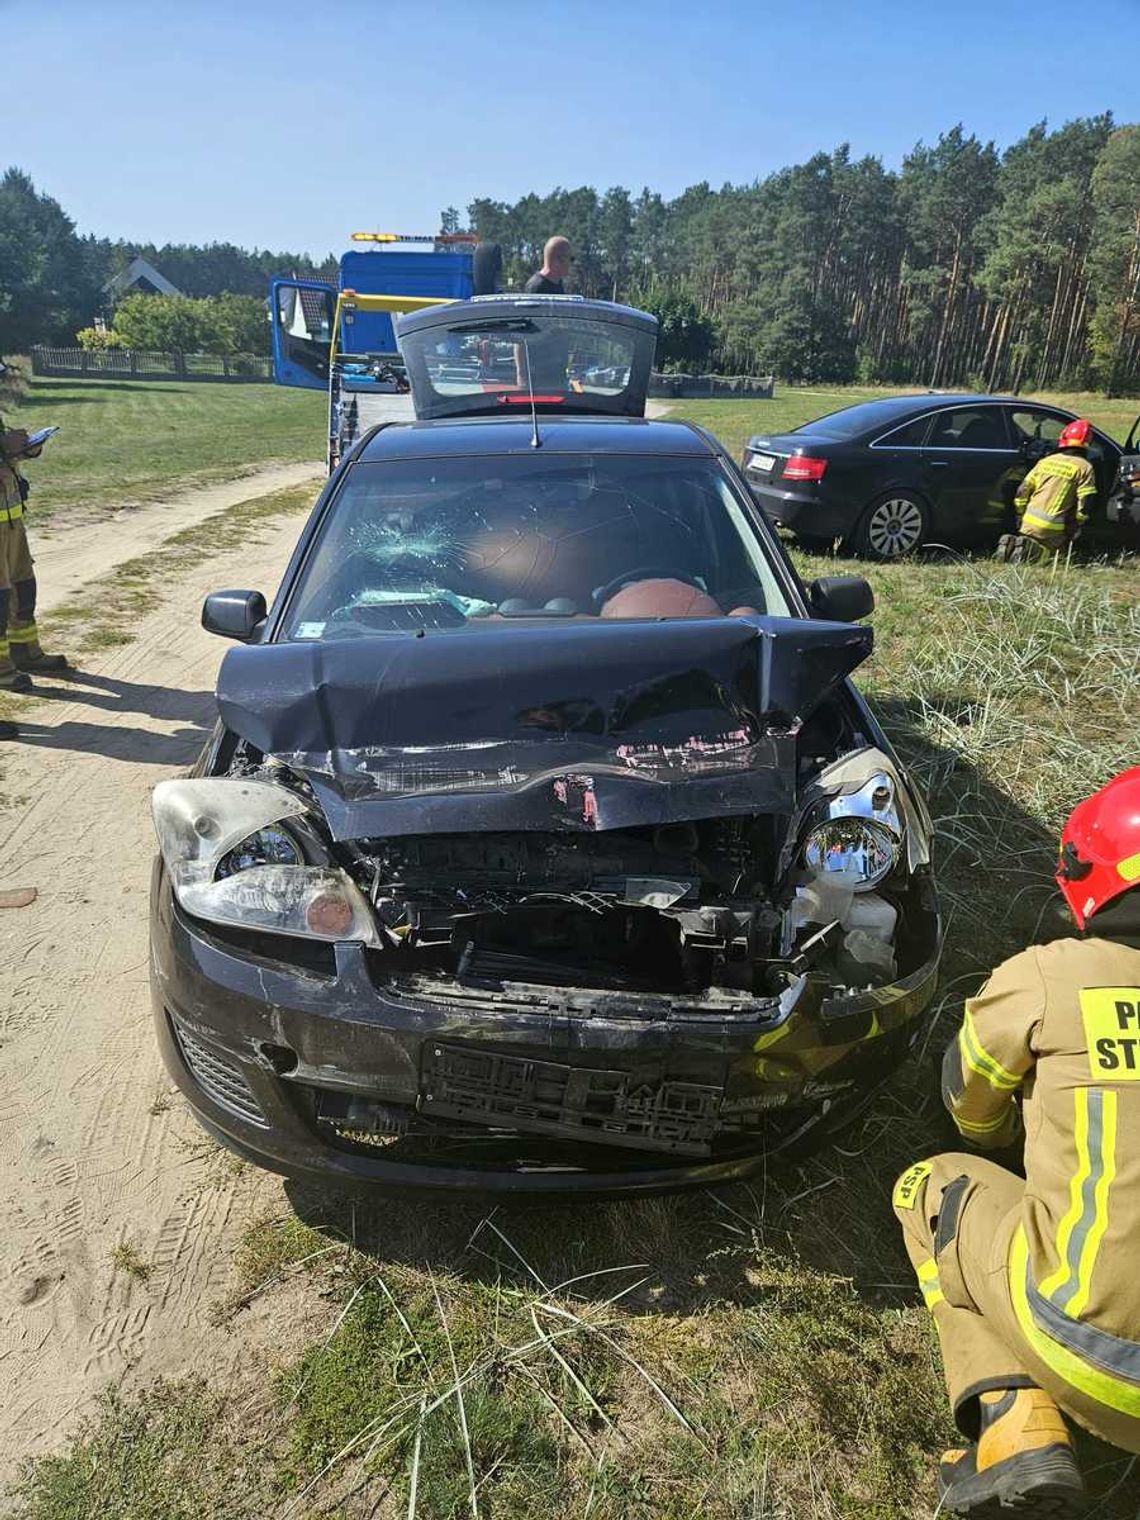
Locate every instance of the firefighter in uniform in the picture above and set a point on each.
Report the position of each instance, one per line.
(1035, 1286)
(1054, 498)
(20, 652)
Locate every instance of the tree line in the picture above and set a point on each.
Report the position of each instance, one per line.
(52, 281)
(1011, 270)
(967, 266)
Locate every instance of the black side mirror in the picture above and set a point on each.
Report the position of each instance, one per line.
(841, 598)
(233, 614)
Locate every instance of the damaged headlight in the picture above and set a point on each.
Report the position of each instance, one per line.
(863, 850)
(233, 859)
(273, 846)
(861, 820)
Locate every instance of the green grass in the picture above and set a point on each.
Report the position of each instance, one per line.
(126, 1258)
(734, 422)
(759, 1352)
(124, 443)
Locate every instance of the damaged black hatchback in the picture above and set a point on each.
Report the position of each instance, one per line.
(543, 843)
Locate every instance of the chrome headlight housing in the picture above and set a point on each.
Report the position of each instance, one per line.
(241, 852)
(862, 819)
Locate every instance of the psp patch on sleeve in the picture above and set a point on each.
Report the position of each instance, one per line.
(1112, 1032)
(906, 1188)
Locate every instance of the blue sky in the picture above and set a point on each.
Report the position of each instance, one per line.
(288, 125)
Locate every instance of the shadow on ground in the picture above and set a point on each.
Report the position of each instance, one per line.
(194, 710)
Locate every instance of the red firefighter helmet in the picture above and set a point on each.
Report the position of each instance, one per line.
(1100, 847)
(1074, 435)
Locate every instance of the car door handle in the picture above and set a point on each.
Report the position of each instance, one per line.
(938, 464)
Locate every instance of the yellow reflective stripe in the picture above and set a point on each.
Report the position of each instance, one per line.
(1079, 1301)
(1088, 489)
(1054, 524)
(981, 1126)
(1111, 1391)
(927, 1274)
(22, 634)
(980, 1060)
(1129, 870)
(1076, 1190)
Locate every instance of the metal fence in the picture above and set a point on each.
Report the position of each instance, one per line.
(140, 364)
(694, 387)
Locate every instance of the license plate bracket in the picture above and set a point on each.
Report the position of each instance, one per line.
(553, 1098)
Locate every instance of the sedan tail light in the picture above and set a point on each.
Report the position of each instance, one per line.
(804, 467)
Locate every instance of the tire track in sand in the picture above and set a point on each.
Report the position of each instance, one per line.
(88, 1160)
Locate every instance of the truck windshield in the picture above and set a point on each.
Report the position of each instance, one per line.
(462, 543)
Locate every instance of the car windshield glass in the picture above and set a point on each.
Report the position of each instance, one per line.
(853, 420)
(464, 543)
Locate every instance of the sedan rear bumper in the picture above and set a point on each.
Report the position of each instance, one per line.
(362, 1080)
(799, 511)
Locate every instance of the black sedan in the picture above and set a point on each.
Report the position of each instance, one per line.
(885, 477)
(543, 843)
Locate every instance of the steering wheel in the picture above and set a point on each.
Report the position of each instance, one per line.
(602, 594)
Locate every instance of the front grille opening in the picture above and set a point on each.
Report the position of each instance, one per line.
(559, 945)
(219, 1076)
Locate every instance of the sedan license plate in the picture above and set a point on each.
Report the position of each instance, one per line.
(762, 462)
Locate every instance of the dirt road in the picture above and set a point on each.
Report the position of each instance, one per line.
(76, 553)
(95, 1152)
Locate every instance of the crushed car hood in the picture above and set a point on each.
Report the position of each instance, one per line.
(577, 726)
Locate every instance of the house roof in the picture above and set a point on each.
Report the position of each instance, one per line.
(138, 270)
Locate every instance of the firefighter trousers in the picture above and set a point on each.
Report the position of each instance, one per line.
(958, 1215)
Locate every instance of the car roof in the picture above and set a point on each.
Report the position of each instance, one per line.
(878, 412)
(561, 435)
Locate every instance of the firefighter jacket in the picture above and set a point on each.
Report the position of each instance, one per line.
(1057, 491)
(12, 442)
(1061, 1023)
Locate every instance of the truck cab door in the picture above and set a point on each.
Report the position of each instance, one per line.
(301, 320)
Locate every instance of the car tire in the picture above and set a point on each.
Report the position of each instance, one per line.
(893, 526)
(486, 269)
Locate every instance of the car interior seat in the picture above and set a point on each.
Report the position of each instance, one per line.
(983, 432)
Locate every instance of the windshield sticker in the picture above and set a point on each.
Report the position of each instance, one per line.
(310, 630)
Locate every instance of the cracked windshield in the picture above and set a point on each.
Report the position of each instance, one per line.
(435, 544)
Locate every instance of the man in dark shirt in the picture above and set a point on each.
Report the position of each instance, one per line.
(550, 279)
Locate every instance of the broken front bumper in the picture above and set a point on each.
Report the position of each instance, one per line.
(340, 1072)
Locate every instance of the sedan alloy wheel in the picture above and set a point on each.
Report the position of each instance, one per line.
(893, 527)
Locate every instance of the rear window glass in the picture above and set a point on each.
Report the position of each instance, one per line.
(910, 436)
(438, 544)
(853, 420)
(491, 361)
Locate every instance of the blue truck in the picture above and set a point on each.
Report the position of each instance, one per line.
(341, 339)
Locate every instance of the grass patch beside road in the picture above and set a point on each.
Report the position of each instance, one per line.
(123, 442)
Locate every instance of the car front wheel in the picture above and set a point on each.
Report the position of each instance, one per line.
(892, 527)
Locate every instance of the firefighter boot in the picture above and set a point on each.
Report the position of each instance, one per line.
(27, 653)
(1022, 1462)
(11, 679)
